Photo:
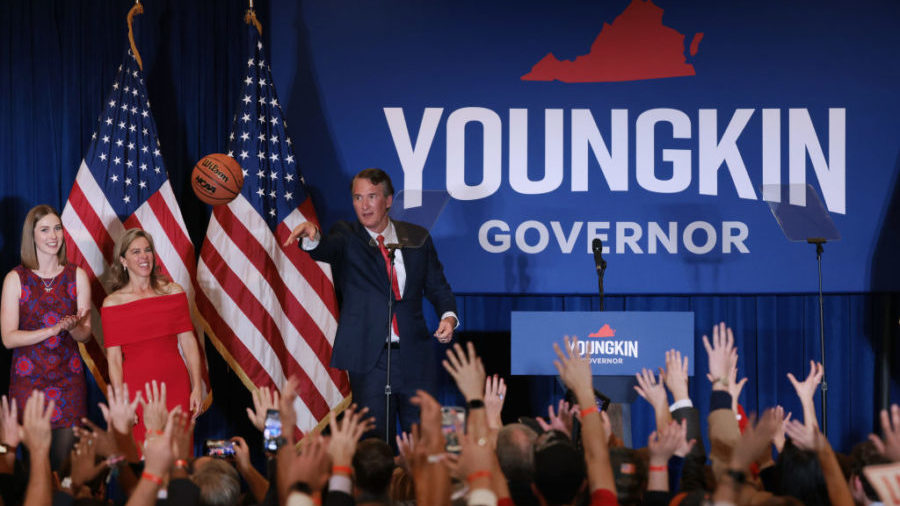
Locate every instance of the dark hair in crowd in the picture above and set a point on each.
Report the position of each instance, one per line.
(800, 475)
(865, 454)
(373, 466)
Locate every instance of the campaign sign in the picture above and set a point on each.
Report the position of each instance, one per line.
(619, 343)
(663, 128)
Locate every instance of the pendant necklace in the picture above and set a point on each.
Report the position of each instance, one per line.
(48, 286)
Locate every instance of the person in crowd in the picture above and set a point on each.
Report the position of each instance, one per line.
(864, 454)
(340, 469)
(146, 319)
(44, 309)
(361, 264)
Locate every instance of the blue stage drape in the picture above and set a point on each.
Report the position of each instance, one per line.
(58, 60)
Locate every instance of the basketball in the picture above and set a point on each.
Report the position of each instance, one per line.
(217, 179)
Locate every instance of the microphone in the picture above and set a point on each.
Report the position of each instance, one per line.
(599, 262)
(389, 245)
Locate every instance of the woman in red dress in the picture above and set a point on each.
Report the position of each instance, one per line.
(43, 312)
(145, 320)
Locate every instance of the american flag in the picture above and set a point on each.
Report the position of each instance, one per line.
(271, 311)
(122, 183)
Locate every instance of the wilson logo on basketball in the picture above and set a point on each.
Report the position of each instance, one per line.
(217, 179)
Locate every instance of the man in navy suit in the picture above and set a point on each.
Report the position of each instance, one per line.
(359, 265)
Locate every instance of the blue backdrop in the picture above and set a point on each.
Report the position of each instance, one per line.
(339, 65)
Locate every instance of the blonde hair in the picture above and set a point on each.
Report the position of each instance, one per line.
(117, 274)
(28, 250)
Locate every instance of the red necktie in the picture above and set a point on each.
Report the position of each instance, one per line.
(393, 274)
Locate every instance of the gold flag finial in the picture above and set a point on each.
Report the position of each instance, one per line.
(137, 9)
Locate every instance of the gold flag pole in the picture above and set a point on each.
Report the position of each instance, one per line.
(250, 18)
(137, 9)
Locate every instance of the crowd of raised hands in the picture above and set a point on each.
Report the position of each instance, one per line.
(569, 457)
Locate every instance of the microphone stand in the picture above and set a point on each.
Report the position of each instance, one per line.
(387, 379)
(601, 270)
(819, 250)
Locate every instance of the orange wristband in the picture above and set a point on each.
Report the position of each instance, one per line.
(341, 470)
(181, 464)
(478, 474)
(658, 469)
(152, 477)
(588, 410)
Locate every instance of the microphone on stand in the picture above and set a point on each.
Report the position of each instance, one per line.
(391, 246)
(597, 246)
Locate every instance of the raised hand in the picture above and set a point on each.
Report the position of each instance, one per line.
(405, 449)
(120, 414)
(651, 390)
(663, 444)
(676, 375)
(494, 394)
(575, 370)
(805, 437)
(35, 429)
(806, 389)
(477, 455)
(9, 423)
(264, 399)
(890, 427)
(427, 437)
(735, 386)
(155, 411)
(104, 442)
(310, 467)
(722, 354)
(561, 421)
(182, 432)
(85, 466)
(158, 451)
(467, 370)
(345, 434)
(778, 438)
(286, 409)
(755, 440)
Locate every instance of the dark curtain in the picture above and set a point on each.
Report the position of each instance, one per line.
(58, 60)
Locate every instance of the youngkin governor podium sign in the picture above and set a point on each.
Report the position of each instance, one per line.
(619, 343)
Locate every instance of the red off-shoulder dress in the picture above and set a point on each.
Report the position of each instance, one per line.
(147, 330)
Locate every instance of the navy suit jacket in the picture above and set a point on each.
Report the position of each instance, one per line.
(362, 284)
